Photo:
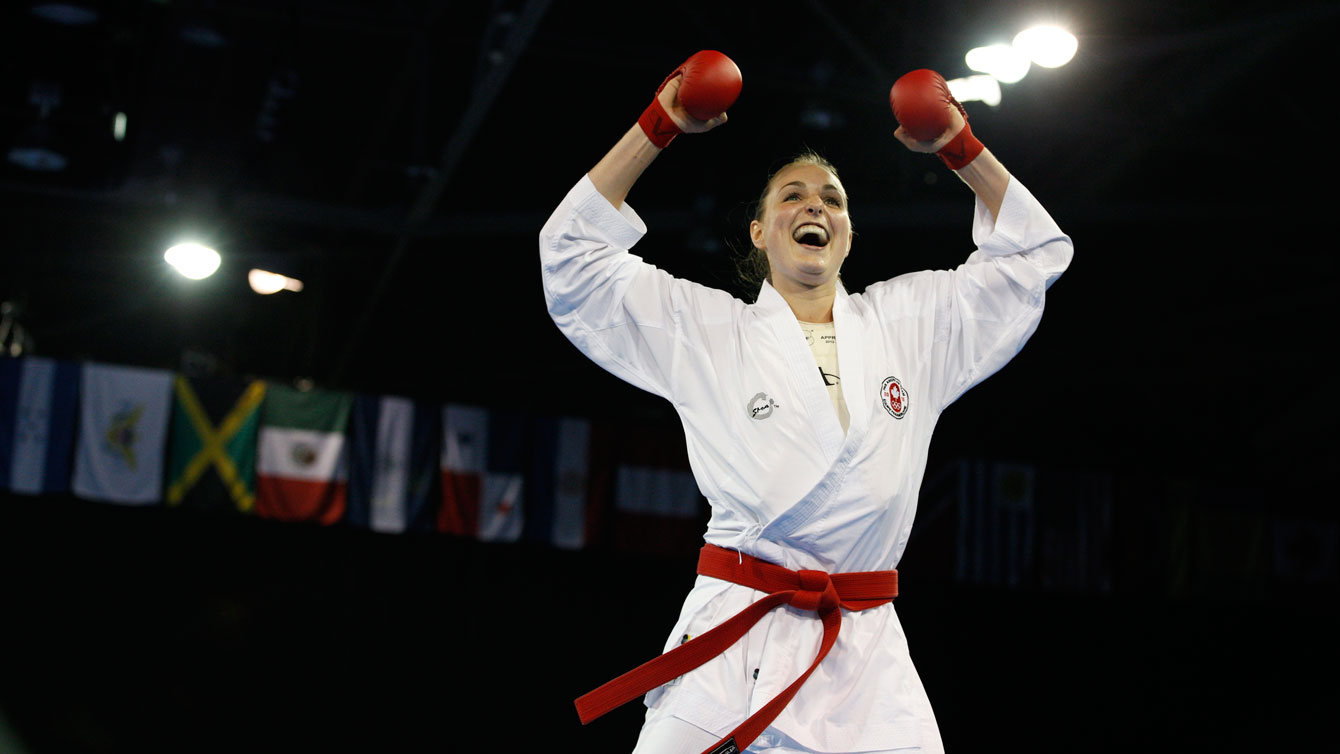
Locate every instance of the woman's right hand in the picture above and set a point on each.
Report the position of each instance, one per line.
(669, 97)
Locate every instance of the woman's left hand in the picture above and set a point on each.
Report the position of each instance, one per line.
(956, 123)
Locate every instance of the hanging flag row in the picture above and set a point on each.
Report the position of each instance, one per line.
(137, 436)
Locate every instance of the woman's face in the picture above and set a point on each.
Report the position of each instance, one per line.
(805, 229)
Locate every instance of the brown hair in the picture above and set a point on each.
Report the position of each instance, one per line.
(752, 265)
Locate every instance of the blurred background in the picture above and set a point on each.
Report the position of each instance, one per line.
(1171, 577)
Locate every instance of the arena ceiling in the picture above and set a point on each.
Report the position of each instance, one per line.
(400, 157)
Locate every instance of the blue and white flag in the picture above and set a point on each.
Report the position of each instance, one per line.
(653, 491)
(558, 497)
(393, 473)
(123, 420)
(38, 398)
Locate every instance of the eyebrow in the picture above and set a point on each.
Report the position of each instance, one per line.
(802, 184)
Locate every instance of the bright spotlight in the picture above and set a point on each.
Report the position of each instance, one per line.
(1003, 62)
(980, 88)
(193, 260)
(1048, 46)
(266, 283)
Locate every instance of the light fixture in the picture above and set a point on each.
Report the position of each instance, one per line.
(981, 88)
(37, 158)
(193, 260)
(35, 148)
(266, 283)
(1001, 61)
(1048, 46)
(67, 14)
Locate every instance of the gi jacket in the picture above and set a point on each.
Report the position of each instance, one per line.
(768, 452)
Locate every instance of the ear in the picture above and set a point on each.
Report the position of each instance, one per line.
(756, 233)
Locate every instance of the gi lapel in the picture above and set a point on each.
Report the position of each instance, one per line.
(799, 359)
(838, 450)
(856, 389)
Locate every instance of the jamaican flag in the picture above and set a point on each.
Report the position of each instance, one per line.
(212, 456)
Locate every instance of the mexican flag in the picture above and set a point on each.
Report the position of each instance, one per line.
(301, 464)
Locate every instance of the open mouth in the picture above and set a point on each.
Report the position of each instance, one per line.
(811, 235)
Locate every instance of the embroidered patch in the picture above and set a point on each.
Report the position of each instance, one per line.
(727, 747)
(894, 397)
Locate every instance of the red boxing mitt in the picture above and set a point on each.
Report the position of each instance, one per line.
(711, 84)
(921, 100)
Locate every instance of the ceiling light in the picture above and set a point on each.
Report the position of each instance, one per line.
(193, 260)
(1003, 62)
(976, 88)
(1048, 46)
(69, 14)
(37, 159)
(265, 283)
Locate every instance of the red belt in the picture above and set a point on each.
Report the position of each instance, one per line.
(807, 590)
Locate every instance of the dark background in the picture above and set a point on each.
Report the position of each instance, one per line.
(400, 157)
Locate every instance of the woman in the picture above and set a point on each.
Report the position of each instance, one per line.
(813, 470)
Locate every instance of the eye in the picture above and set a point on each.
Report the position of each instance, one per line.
(790, 196)
(833, 201)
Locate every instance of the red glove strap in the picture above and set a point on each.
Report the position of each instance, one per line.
(656, 124)
(962, 149)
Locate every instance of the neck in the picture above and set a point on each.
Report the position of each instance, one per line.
(810, 304)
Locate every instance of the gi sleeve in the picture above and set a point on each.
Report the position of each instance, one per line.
(988, 307)
(636, 321)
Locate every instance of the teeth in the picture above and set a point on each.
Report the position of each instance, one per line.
(816, 231)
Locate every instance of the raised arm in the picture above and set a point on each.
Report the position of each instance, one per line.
(622, 312)
(986, 308)
(933, 122)
(706, 84)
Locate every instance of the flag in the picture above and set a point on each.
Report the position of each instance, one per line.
(560, 494)
(482, 461)
(123, 422)
(393, 449)
(995, 523)
(38, 399)
(657, 491)
(1074, 530)
(301, 467)
(658, 508)
(212, 451)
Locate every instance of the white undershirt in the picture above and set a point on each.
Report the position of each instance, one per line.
(823, 344)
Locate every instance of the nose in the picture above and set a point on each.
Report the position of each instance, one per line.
(813, 207)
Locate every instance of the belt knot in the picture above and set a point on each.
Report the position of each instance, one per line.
(816, 592)
(807, 590)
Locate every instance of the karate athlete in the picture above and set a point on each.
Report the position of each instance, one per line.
(813, 488)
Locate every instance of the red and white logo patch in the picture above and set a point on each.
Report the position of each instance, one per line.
(894, 397)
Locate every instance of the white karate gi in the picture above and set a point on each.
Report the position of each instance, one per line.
(766, 448)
